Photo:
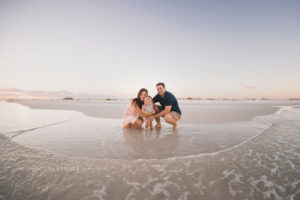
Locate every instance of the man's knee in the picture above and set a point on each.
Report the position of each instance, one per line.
(167, 117)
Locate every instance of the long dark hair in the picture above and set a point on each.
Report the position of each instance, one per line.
(137, 100)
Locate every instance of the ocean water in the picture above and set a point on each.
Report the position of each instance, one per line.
(50, 154)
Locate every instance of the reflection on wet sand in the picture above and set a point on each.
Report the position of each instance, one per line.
(109, 162)
(151, 144)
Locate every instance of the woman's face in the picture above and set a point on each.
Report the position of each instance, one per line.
(143, 95)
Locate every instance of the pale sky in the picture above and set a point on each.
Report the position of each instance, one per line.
(219, 49)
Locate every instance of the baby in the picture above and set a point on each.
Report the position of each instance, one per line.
(148, 108)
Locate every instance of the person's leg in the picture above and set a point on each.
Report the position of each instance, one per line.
(138, 123)
(172, 118)
(157, 110)
(147, 124)
(168, 118)
(158, 124)
(129, 125)
(151, 125)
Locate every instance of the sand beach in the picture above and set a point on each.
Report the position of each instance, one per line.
(61, 150)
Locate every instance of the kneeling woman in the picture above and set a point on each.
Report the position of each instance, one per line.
(133, 115)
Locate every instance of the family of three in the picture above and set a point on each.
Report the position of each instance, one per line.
(143, 109)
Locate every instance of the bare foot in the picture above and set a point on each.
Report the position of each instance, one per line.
(175, 126)
(146, 128)
(158, 126)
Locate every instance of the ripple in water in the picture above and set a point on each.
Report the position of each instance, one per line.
(104, 138)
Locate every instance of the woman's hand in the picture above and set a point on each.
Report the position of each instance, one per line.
(148, 114)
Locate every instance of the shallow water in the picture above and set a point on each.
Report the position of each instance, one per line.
(74, 134)
(263, 163)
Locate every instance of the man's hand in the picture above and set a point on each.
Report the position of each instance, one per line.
(151, 117)
(148, 114)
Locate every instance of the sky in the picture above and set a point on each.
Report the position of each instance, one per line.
(217, 49)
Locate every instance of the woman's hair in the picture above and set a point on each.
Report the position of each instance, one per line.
(138, 101)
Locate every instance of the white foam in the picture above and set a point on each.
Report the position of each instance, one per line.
(164, 180)
(100, 193)
(275, 169)
(291, 164)
(160, 188)
(266, 126)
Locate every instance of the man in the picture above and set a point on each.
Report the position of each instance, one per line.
(169, 108)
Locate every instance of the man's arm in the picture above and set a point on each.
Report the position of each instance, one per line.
(168, 106)
(162, 113)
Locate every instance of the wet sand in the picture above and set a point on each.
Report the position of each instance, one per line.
(193, 111)
(59, 154)
(72, 133)
(265, 167)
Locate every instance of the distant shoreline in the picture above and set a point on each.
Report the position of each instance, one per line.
(188, 98)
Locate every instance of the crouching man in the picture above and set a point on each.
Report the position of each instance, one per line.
(168, 109)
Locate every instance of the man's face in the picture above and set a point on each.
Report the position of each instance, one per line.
(160, 90)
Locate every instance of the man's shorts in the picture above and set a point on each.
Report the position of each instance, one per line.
(175, 115)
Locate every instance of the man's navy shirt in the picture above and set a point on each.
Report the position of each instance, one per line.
(168, 100)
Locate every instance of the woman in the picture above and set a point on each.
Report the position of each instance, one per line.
(133, 114)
